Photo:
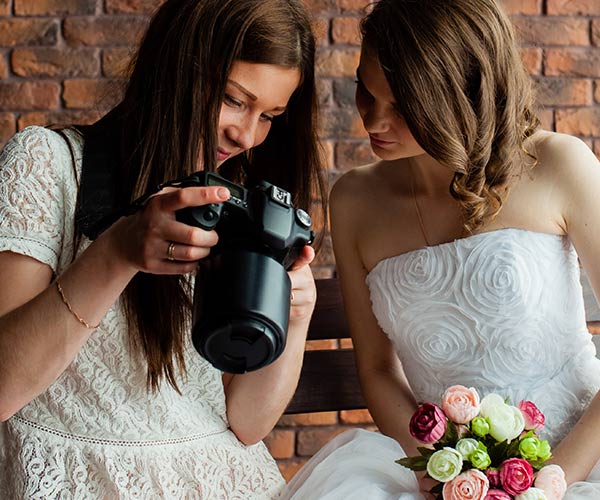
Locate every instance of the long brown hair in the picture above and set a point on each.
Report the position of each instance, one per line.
(459, 82)
(170, 112)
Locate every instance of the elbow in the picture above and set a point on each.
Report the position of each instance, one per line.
(249, 437)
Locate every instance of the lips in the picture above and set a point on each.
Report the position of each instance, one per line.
(222, 155)
(380, 142)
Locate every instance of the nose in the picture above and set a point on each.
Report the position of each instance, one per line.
(243, 133)
(376, 119)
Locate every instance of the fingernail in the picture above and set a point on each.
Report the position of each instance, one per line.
(223, 193)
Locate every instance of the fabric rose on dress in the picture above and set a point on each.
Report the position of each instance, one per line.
(445, 464)
(534, 418)
(506, 421)
(516, 475)
(532, 494)
(551, 479)
(428, 423)
(460, 404)
(494, 494)
(470, 485)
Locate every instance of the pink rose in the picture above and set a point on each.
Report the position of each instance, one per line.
(470, 485)
(534, 418)
(516, 475)
(460, 404)
(551, 479)
(428, 423)
(495, 494)
(493, 476)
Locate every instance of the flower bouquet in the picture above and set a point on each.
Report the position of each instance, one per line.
(484, 449)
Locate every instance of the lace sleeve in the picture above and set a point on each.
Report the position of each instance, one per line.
(37, 195)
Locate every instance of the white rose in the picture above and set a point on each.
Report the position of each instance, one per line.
(506, 421)
(532, 494)
(466, 446)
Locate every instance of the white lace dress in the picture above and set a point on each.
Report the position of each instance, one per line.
(96, 432)
(500, 311)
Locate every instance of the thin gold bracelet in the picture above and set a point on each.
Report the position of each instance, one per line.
(66, 302)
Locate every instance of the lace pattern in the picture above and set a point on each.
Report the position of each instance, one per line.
(69, 441)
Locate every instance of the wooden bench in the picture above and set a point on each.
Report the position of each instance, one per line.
(328, 381)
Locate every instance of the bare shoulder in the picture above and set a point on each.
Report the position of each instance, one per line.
(562, 157)
(355, 186)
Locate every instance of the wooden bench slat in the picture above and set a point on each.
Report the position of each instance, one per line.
(323, 387)
(329, 320)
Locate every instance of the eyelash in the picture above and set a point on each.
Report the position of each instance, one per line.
(230, 101)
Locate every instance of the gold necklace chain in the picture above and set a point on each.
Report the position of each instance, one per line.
(414, 196)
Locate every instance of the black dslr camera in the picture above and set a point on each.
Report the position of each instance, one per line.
(242, 301)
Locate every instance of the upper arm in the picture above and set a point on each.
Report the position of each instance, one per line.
(580, 195)
(373, 349)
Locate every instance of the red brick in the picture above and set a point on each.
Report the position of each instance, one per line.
(350, 154)
(597, 91)
(346, 30)
(15, 32)
(564, 91)
(576, 7)
(325, 91)
(54, 7)
(317, 7)
(58, 118)
(132, 6)
(346, 344)
(101, 94)
(309, 419)
(55, 62)
(4, 7)
(354, 6)
(337, 62)
(281, 443)
(583, 122)
(115, 62)
(532, 59)
(308, 442)
(572, 62)
(103, 31)
(356, 417)
(288, 468)
(8, 126)
(3, 67)
(320, 27)
(533, 30)
(344, 91)
(527, 7)
(596, 32)
(546, 117)
(28, 95)
(341, 123)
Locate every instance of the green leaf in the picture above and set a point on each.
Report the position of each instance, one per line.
(450, 437)
(437, 489)
(414, 463)
(537, 464)
(425, 452)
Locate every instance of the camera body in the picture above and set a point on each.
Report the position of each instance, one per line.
(242, 296)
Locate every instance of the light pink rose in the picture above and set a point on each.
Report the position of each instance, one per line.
(428, 423)
(495, 494)
(470, 485)
(551, 479)
(516, 475)
(534, 418)
(460, 404)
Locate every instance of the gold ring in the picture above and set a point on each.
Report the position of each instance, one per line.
(170, 251)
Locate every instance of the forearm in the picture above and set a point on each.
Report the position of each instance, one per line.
(256, 400)
(40, 338)
(579, 451)
(392, 405)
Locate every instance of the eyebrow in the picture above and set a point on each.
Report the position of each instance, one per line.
(251, 95)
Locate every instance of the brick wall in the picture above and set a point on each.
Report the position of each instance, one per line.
(61, 61)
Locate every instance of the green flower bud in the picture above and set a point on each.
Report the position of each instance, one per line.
(543, 451)
(480, 426)
(480, 459)
(529, 447)
(466, 446)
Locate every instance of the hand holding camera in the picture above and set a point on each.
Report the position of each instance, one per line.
(242, 302)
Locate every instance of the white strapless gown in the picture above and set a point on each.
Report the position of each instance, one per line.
(500, 311)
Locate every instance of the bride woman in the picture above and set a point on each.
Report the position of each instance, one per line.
(458, 250)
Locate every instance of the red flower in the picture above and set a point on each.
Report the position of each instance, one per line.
(428, 423)
(516, 475)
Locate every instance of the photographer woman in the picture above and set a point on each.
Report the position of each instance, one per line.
(102, 393)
